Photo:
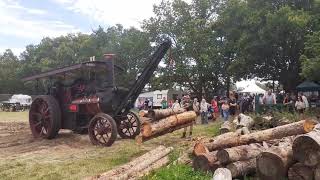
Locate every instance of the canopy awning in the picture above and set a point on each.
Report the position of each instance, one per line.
(308, 86)
(253, 88)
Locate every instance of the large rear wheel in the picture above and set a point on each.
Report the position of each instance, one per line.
(45, 117)
(129, 127)
(102, 130)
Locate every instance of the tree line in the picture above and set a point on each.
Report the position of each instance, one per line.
(215, 43)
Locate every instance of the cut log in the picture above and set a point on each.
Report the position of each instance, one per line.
(140, 138)
(206, 162)
(143, 113)
(133, 168)
(170, 122)
(157, 114)
(274, 163)
(243, 131)
(244, 121)
(317, 173)
(242, 168)
(260, 136)
(306, 148)
(155, 154)
(300, 171)
(227, 126)
(239, 153)
(201, 146)
(222, 174)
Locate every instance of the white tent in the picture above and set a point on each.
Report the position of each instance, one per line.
(253, 88)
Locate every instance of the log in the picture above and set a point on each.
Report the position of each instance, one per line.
(244, 121)
(239, 153)
(205, 162)
(222, 174)
(260, 136)
(155, 154)
(317, 173)
(300, 171)
(140, 138)
(138, 166)
(169, 122)
(243, 131)
(227, 126)
(274, 163)
(143, 113)
(157, 114)
(306, 148)
(242, 168)
(201, 146)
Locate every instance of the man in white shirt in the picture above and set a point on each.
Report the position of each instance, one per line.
(305, 100)
(269, 98)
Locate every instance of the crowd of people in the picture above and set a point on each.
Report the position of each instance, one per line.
(235, 103)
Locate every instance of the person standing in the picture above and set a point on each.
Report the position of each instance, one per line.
(305, 100)
(300, 105)
(233, 105)
(196, 106)
(204, 111)
(215, 107)
(269, 98)
(164, 103)
(225, 110)
(176, 105)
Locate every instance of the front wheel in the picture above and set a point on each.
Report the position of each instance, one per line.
(102, 130)
(129, 126)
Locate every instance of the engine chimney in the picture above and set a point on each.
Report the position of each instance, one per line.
(109, 58)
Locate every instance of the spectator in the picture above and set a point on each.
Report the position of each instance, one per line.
(269, 98)
(176, 105)
(146, 104)
(300, 105)
(214, 105)
(164, 103)
(288, 102)
(196, 105)
(244, 103)
(233, 105)
(150, 104)
(225, 110)
(204, 111)
(305, 100)
(170, 103)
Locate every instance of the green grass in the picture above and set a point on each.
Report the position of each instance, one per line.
(14, 116)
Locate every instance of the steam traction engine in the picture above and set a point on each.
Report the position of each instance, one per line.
(84, 97)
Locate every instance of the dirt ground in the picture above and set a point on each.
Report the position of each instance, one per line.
(69, 156)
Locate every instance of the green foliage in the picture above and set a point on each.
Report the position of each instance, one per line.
(177, 172)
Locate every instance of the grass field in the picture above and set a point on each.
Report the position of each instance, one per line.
(71, 156)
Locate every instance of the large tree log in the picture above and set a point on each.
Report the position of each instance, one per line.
(222, 174)
(157, 114)
(169, 122)
(300, 171)
(274, 163)
(317, 173)
(306, 148)
(244, 121)
(242, 168)
(239, 153)
(143, 113)
(201, 146)
(243, 131)
(138, 163)
(206, 162)
(227, 126)
(260, 136)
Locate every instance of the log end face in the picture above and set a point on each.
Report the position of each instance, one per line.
(200, 148)
(223, 156)
(309, 125)
(270, 166)
(306, 150)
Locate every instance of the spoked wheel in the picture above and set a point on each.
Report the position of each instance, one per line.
(45, 117)
(102, 130)
(129, 127)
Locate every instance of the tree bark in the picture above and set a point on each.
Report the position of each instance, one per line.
(243, 131)
(226, 127)
(274, 163)
(239, 153)
(306, 148)
(157, 114)
(259, 136)
(317, 173)
(222, 174)
(300, 171)
(143, 113)
(244, 121)
(206, 162)
(242, 168)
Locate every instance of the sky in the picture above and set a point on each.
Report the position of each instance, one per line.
(24, 22)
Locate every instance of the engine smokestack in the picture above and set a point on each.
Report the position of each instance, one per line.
(109, 60)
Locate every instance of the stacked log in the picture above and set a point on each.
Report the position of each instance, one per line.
(167, 125)
(267, 153)
(226, 127)
(140, 166)
(157, 114)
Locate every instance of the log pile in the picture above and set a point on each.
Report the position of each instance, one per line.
(289, 151)
(139, 167)
(163, 122)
